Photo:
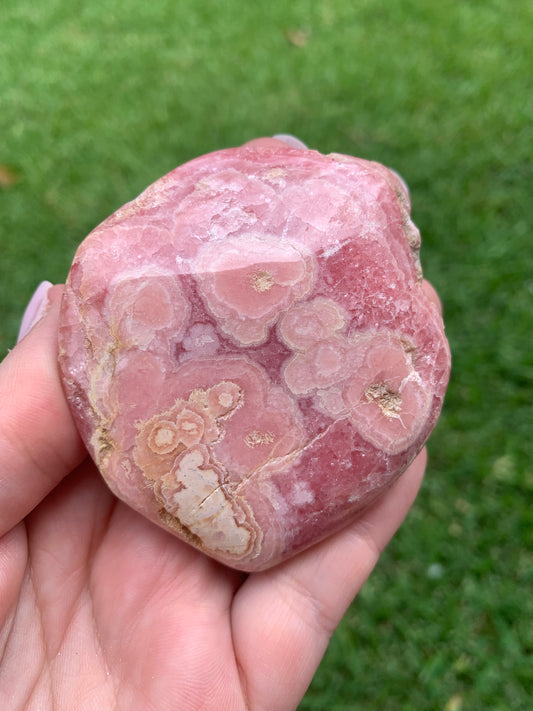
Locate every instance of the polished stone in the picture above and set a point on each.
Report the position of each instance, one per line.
(249, 349)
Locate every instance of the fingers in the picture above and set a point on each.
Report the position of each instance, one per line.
(432, 294)
(290, 140)
(287, 614)
(39, 443)
(271, 143)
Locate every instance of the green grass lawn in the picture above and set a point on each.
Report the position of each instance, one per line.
(96, 105)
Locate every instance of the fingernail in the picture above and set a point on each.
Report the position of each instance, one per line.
(35, 309)
(402, 181)
(290, 140)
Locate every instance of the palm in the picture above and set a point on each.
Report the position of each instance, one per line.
(120, 609)
(116, 614)
(99, 609)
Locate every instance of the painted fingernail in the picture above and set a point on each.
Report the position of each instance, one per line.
(290, 140)
(35, 309)
(402, 181)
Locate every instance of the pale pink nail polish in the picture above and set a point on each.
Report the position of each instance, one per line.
(35, 309)
(290, 140)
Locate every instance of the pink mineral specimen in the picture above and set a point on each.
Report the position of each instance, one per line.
(249, 351)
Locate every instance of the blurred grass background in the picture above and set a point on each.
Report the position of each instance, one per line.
(99, 99)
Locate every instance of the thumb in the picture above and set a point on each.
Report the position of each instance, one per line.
(39, 443)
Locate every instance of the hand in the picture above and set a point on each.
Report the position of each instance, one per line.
(99, 609)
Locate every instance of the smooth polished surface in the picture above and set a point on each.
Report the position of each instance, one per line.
(249, 350)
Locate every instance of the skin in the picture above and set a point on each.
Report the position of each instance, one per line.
(99, 609)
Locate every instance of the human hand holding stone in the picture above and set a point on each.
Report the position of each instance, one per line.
(101, 609)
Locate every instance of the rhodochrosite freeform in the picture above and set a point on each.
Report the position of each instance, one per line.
(249, 350)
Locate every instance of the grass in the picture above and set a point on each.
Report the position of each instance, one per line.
(97, 105)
